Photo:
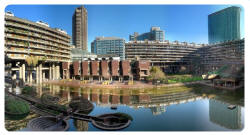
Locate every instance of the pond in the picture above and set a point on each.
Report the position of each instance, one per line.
(184, 108)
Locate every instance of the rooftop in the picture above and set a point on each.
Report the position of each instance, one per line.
(108, 38)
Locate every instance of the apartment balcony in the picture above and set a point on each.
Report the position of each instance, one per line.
(34, 29)
(36, 36)
(38, 42)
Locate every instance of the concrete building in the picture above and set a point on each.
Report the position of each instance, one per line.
(35, 50)
(105, 69)
(213, 57)
(142, 69)
(171, 57)
(109, 45)
(155, 34)
(80, 28)
(224, 25)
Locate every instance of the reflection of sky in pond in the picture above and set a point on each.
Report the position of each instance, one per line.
(181, 117)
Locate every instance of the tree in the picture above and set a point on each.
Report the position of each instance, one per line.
(156, 74)
(32, 61)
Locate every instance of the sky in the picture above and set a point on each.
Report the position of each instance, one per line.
(185, 23)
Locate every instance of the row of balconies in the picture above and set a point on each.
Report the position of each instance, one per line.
(35, 30)
(158, 53)
(38, 25)
(36, 35)
(31, 51)
(37, 41)
(157, 49)
(160, 46)
(23, 57)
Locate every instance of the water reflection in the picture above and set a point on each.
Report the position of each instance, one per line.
(81, 125)
(158, 110)
(221, 115)
(115, 97)
(159, 106)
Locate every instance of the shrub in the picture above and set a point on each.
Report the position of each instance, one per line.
(14, 106)
(28, 90)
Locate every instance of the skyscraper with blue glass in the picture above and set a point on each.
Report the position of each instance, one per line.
(109, 45)
(155, 34)
(224, 25)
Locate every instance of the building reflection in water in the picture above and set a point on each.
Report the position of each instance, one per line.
(81, 125)
(115, 97)
(158, 110)
(221, 115)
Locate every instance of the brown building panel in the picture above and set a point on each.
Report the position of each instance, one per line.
(94, 97)
(125, 68)
(94, 68)
(76, 67)
(65, 65)
(126, 100)
(115, 99)
(144, 98)
(143, 65)
(105, 99)
(104, 69)
(115, 68)
(85, 68)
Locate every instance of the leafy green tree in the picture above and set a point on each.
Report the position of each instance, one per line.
(156, 74)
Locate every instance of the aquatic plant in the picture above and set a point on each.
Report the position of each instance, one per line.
(29, 90)
(16, 109)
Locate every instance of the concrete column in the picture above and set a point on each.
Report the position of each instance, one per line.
(20, 73)
(13, 75)
(57, 72)
(23, 72)
(53, 71)
(40, 73)
(31, 77)
(43, 75)
(37, 74)
(50, 72)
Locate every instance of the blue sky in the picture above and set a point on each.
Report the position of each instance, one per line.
(181, 22)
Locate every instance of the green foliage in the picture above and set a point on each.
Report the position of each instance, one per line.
(52, 102)
(156, 74)
(185, 79)
(28, 90)
(219, 71)
(32, 61)
(15, 106)
(42, 107)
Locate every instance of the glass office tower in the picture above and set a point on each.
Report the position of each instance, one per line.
(155, 34)
(109, 45)
(224, 25)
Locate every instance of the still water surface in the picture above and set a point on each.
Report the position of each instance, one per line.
(191, 108)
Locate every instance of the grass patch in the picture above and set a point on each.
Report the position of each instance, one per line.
(181, 79)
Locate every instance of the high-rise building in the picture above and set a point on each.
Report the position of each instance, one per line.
(80, 28)
(224, 25)
(155, 34)
(109, 45)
